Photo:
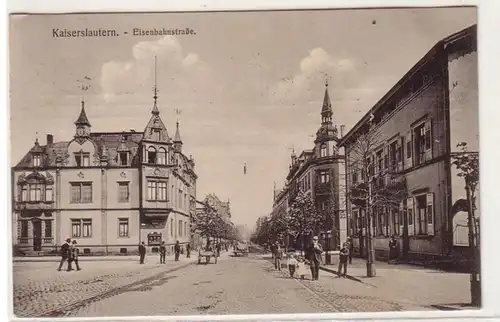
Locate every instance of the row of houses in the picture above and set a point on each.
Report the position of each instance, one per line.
(408, 139)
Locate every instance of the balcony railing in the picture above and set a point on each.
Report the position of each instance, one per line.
(323, 188)
(34, 205)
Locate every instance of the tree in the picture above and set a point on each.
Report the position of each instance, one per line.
(467, 164)
(378, 186)
(279, 224)
(303, 216)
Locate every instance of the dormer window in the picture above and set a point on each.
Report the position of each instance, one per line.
(37, 160)
(123, 158)
(151, 155)
(82, 159)
(156, 135)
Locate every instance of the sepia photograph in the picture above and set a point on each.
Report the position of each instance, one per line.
(244, 162)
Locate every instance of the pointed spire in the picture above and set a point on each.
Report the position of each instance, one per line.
(327, 105)
(155, 110)
(82, 119)
(177, 137)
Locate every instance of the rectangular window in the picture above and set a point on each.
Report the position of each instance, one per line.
(76, 228)
(408, 148)
(24, 228)
(123, 158)
(49, 193)
(156, 135)
(179, 227)
(123, 192)
(48, 228)
(37, 160)
(379, 161)
(123, 227)
(87, 227)
(35, 192)
(419, 143)
(24, 193)
(185, 228)
(430, 213)
(81, 192)
(393, 156)
(162, 191)
(324, 177)
(82, 159)
(396, 224)
(152, 190)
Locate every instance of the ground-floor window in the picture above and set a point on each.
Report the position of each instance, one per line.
(24, 228)
(48, 228)
(81, 228)
(123, 227)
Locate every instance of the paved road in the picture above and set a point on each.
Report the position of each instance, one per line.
(236, 285)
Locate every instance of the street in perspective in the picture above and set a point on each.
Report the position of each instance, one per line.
(302, 162)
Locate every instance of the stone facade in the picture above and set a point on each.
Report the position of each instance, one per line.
(108, 191)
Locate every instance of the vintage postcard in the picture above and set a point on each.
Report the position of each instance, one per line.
(253, 162)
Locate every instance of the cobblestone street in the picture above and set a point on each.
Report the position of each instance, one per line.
(235, 285)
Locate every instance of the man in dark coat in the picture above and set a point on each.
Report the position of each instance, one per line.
(163, 252)
(177, 250)
(393, 249)
(313, 254)
(142, 253)
(188, 251)
(65, 254)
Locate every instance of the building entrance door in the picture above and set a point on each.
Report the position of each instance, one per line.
(37, 234)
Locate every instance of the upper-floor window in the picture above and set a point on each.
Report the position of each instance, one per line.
(35, 192)
(162, 156)
(123, 192)
(151, 155)
(123, 158)
(422, 142)
(37, 160)
(157, 190)
(323, 151)
(82, 159)
(156, 135)
(324, 177)
(379, 161)
(81, 192)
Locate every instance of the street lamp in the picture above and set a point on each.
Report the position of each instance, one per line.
(326, 237)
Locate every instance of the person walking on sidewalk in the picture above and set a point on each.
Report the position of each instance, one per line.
(218, 248)
(177, 250)
(292, 264)
(188, 251)
(278, 256)
(75, 251)
(314, 252)
(142, 252)
(65, 254)
(343, 258)
(163, 252)
(301, 267)
(351, 248)
(393, 250)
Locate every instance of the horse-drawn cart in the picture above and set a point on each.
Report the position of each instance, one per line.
(207, 254)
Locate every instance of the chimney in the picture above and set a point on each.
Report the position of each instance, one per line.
(50, 139)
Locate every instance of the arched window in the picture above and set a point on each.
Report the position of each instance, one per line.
(323, 151)
(162, 156)
(152, 155)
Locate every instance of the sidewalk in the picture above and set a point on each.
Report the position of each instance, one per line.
(412, 284)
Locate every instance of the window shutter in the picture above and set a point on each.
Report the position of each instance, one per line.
(428, 140)
(401, 214)
(430, 214)
(410, 216)
(409, 150)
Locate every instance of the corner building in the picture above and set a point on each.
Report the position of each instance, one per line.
(109, 191)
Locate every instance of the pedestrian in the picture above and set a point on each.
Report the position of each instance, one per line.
(218, 248)
(351, 248)
(278, 256)
(314, 252)
(142, 252)
(393, 249)
(343, 258)
(163, 252)
(273, 250)
(177, 250)
(65, 254)
(188, 251)
(301, 267)
(292, 264)
(74, 255)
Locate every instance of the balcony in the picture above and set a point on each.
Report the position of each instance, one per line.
(34, 205)
(323, 188)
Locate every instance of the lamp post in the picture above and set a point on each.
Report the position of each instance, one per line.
(328, 258)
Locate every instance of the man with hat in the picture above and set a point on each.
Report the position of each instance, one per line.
(65, 254)
(313, 254)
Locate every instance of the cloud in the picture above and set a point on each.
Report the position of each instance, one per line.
(313, 70)
(177, 73)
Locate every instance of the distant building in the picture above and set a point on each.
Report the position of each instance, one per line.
(419, 123)
(319, 173)
(107, 190)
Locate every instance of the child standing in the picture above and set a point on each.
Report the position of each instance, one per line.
(301, 267)
(343, 257)
(292, 264)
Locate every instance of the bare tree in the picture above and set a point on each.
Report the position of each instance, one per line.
(304, 217)
(375, 183)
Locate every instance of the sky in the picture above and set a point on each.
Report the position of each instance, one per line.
(249, 84)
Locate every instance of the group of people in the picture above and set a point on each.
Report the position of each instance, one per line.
(313, 258)
(69, 254)
(163, 252)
